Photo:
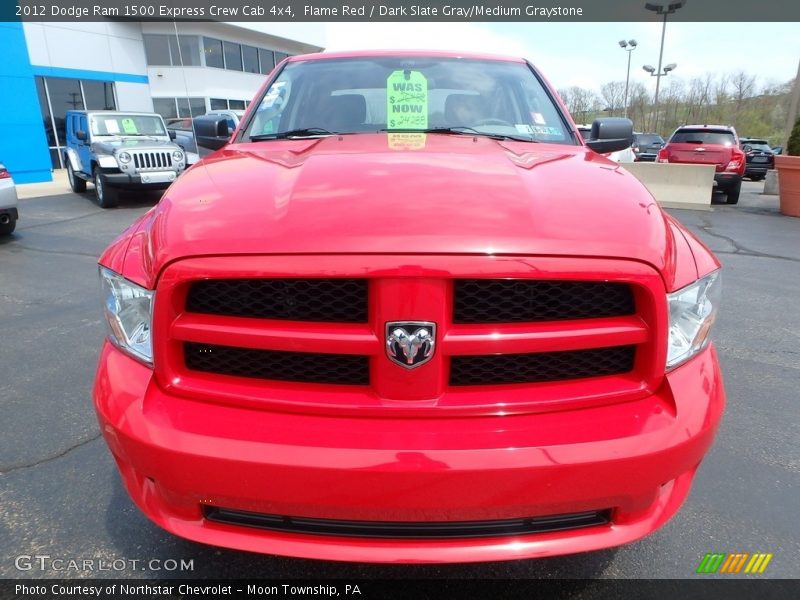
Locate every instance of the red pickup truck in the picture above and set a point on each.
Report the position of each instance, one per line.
(405, 313)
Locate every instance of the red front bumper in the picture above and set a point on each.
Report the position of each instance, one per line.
(636, 458)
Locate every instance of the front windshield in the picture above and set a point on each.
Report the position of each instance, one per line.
(124, 125)
(359, 95)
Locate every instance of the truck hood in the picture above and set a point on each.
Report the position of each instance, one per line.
(112, 145)
(434, 194)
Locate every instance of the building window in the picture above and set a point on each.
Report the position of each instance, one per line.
(166, 50)
(99, 95)
(218, 104)
(250, 59)
(173, 108)
(212, 50)
(156, 50)
(233, 56)
(57, 95)
(279, 56)
(236, 104)
(267, 60)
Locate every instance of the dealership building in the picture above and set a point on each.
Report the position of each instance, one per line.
(175, 69)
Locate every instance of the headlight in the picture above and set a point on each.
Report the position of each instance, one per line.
(129, 313)
(692, 312)
(177, 156)
(124, 157)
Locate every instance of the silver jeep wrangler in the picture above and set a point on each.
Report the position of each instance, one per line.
(120, 150)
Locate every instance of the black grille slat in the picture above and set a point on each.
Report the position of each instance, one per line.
(499, 369)
(408, 530)
(318, 300)
(303, 367)
(520, 300)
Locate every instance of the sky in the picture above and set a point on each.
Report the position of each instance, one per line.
(588, 54)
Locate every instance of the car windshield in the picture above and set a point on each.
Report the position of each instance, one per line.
(407, 94)
(125, 125)
(703, 136)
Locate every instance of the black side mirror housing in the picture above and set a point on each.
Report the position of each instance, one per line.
(610, 134)
(81, 135)
(171, 133)
(211, 131)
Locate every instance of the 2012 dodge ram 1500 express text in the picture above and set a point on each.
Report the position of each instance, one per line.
(406, 314)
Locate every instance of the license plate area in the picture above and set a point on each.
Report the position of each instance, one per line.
(159, 177)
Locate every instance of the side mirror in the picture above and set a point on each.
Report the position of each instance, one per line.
(171, 133)
(211, 132)
(777, 149)
(747, 148)
(81, 135)
(610, 134)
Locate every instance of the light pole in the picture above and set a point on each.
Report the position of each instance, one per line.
(661, 9)
(629, 47)
(658, 75)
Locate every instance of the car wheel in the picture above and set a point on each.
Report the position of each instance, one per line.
(76, 184)
(8, 228)
(733, 192)
(106, 196)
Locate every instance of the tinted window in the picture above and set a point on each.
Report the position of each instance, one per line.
(65, 94)
(250, 58)
(156, 49)
(410, 93)
(267, 60)
(45, 110)
(760, 145)
(99, 95)
(165, 107)
(646, 140)
(279, 56)
(218, 104)
(212, 50)
(703, 136)
(233, 56)
(236, 104)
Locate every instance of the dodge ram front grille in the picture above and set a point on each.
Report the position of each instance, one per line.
(321, 300)
(305, 367)
(408, 530)
(497, 369)
(309, 333)
(516, 301)
(152, 161)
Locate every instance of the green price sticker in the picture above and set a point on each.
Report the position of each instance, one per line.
(128, 126)
(406, 100)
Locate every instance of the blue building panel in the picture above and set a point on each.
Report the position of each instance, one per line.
(23, 145)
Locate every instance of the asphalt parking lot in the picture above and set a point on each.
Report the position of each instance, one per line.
(60, 494)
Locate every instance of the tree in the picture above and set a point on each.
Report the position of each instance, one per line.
(613, 95)
(793, 147)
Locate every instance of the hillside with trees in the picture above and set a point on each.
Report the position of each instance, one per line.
(754, 108)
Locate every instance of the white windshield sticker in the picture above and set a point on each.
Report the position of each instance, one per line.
(112, 127)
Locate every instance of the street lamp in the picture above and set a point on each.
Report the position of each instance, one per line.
(629, 47)
(661, 9)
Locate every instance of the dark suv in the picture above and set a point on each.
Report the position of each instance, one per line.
(646, 146)
(760, 158)
(716, 145)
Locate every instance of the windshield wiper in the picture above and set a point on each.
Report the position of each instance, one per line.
(293, 133)
(463, 130)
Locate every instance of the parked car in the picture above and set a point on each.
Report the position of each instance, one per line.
(759, 158)
(120, 150)
(716, 145)
(9, 212)
(626, 155)
(408, 315)
(646, 146)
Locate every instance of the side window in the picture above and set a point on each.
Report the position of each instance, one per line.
(82, 126)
